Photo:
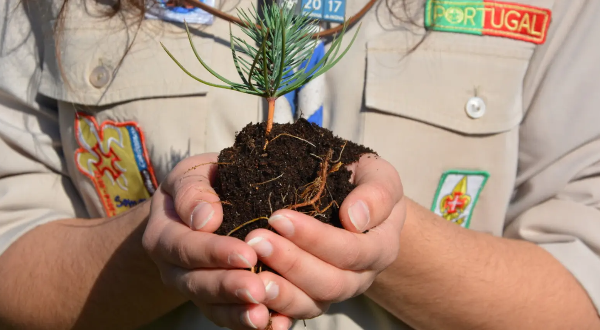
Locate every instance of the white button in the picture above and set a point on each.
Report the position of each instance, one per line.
(100, 77)
(475, 107)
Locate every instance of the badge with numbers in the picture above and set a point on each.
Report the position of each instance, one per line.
(323, 10)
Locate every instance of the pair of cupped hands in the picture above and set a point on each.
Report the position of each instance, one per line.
(317, 264)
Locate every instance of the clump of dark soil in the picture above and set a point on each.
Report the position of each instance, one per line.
(255, 180)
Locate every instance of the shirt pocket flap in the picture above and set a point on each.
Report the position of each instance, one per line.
(103, 61)
(434, 82)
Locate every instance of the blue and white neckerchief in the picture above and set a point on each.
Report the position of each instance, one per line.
(306, 101)
(172, 11)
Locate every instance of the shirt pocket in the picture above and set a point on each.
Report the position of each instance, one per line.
(435, 82)
(454, 103)
(105, 61)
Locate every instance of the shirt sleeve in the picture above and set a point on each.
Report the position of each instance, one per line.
(34, 187)
(557, 199)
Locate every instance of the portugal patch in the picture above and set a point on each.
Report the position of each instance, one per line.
(114, 157)
(457, 195)
(493, 18)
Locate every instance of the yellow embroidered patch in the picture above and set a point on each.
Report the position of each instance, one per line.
(113, 155)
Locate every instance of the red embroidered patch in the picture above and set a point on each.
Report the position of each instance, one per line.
(515, 21)
(494, 18)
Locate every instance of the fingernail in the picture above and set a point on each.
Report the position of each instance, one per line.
(245, 295)
(282, 224)
(272, 290)
(262, 247)
(238, 260)
(201, 214)
(359, 215)
(245, 318)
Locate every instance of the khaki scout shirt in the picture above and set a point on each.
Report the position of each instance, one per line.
(539, 138)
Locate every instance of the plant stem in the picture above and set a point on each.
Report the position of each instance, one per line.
(270, 115)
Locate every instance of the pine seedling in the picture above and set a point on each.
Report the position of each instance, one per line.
(273, 66)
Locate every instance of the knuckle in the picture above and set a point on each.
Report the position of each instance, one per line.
(188, 284)
(382, 196)
(309, 239)
(225, 284)
(286, 306)
(216, 251)
(296, 307)
(174, 248)
(363, 286)
(386, 261)
(334, 291)
(153, 244)
(180, 253)
(388, 248)
(352, 255)
(293, 265)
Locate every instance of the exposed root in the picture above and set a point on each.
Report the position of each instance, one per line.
(336, 167)
(326, 207)
(341, 152)
(245, 224)
(318, 212)
(337, 163)
(196, 166)
(283, 197)
(258, 184)
(286, 134)
(319, 181)
(258, 268)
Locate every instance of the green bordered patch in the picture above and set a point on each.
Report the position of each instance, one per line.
(493, 18)
(457, 195)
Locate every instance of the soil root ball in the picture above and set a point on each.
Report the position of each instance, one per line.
(259, 175)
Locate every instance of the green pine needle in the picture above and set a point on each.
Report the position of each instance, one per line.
(284, 43)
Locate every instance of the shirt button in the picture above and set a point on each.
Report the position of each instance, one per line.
(475, 107)
(100, 77)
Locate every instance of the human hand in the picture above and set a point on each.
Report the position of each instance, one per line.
(206, 268)
(319, 264)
